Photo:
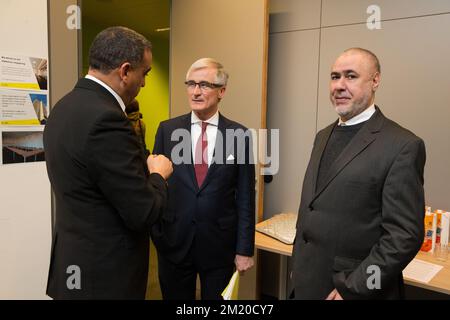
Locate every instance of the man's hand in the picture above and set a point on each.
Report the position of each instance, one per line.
(334, 295)
(159, 164)
(243, 263)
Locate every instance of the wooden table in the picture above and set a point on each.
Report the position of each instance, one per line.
(440, 282)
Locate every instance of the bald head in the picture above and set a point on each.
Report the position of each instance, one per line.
(369, 55)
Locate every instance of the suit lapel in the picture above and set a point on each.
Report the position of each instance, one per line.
(317, 153)
(358, 144)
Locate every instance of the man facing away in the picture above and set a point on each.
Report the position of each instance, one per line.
(107, 195)
(362, 205)
(209, 227)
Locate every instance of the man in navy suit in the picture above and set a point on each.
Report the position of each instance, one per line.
(208, 228)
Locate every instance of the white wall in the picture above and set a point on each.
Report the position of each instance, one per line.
(25, 209)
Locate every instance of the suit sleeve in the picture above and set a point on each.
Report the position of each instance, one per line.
(402, 228)
(118, 169)
(245, 201)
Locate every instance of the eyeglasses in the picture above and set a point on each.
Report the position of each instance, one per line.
(203, 85)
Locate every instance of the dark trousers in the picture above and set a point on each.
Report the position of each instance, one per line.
(178, 281)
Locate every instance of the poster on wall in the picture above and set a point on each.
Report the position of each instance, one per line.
(23, 90)
(22, 146)
(23, 107)
(22, 72)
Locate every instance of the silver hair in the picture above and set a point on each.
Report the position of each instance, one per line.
(221, 74)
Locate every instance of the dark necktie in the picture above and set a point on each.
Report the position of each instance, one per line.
(201, 156)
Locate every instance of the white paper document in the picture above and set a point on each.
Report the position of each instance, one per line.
(421, 271)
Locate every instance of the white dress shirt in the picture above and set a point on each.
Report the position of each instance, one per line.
(104, 85)
(211, 133)
(363, 116)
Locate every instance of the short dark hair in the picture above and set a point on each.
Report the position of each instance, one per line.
(116, 45)
(372, 56)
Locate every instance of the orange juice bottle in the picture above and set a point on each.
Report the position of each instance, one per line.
(428, 224)
(438, 225)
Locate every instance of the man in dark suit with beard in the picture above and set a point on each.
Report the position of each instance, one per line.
(362, 206)
(107, 195)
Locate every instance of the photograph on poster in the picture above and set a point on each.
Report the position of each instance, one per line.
(22, 146)
(40, 71)
(22, 72)
(19, 107)
(40, 106)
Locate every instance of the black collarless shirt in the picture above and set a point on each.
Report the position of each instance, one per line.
(339, 139)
